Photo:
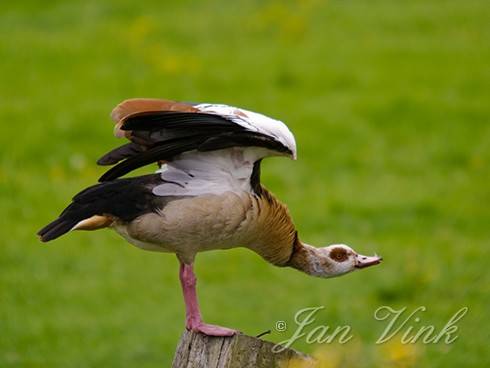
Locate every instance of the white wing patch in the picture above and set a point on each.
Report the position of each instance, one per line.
(196, 173)
(215, 172)
(254, 122)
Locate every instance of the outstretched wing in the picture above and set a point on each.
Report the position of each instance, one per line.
(201, 143)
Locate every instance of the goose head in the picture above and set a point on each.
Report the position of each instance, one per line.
(331, 261)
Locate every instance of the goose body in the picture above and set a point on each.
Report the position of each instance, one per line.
(206, 194)
(186, 226)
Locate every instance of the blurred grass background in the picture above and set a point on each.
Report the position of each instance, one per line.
(389, 102)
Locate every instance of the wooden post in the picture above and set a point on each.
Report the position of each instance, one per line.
(196, 350)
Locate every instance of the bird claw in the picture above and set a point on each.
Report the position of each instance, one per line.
(212, 330)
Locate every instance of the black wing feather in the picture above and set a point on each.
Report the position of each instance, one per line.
(120, 153)
(242, 139)
(169, 120)
(164, 135)
(165, 151)
(125, 199)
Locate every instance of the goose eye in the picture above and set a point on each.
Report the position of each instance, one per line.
(338, 254)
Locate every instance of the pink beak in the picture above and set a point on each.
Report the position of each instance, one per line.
(366, 261)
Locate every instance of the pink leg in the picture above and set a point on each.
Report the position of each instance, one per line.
(193, 314)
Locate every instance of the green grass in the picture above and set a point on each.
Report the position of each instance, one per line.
(389, 102)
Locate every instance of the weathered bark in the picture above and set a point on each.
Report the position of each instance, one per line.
(196, 350)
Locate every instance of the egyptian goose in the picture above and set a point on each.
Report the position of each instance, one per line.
(206, 195)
